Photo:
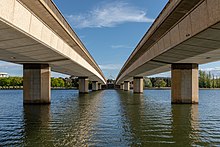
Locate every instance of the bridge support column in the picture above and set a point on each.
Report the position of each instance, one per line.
(122, 86)
(99, 86)
(185, 86)
(94, 85)
(126, 85)
(138, 85)
(83, 85)
(36, 84)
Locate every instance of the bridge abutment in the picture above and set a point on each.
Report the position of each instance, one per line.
(138, 85)
(126, 85)
(94, 85)
(184, 87)
(36, 84)
(83, 85)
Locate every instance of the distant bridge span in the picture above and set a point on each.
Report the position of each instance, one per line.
(185, 34)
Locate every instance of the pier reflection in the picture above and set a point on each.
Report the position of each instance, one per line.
(149, 123)
(97, 119)
(153, 122)
(185, 124)
(77, 118)
(37, 131)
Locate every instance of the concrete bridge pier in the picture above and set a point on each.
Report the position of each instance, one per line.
(99, 86)
(126, 85)
(122, 86)
(138, 85)
(83, 85)
(36, 83)
(184, 85)
(94, 85)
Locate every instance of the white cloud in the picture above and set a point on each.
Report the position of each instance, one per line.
(57, 75)
(212, 69)
(110, 66)
(121, 46)
(109, 15)
(164, 74)
(11, 68)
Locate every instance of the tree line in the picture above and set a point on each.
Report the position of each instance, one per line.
(12, 82)
(206, 80)
(157, 82)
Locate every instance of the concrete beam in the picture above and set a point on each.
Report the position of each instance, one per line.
(36, 83)
(94, 85)
(35, 35)
(126, 85)
(184, 86)
(138, 85)
(83, 85)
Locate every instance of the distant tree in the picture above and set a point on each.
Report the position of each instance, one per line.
(61, 82)
(160, 83)
(208, 80)
(54, 82)
(202, 79)
(16, 81)
(147, 82)
(213, 81)
(68, 82)
(5, 81)
(168, 81)
(153, 80)
(75, 81)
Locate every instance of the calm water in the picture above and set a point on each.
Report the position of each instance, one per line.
(110, 118)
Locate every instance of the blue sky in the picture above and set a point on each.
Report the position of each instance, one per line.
(110, 30)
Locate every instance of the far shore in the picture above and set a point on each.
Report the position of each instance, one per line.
(75, 88)
(168, 88)
(21, 88)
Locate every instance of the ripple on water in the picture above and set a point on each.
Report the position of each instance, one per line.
(110, 118)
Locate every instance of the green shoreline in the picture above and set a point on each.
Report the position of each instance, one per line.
(52, 88)
(168, 88)
(74, 88)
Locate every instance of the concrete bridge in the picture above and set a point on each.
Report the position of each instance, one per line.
(184, 35)
(35, 34)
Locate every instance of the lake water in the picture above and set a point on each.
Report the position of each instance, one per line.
(109, 118)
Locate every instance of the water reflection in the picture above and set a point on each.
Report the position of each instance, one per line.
(149, 123)
(154, 123)
(75, 119)
(185, 124)
(37, 129)
(109, 118)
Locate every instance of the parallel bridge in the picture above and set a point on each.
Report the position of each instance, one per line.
(35, 34)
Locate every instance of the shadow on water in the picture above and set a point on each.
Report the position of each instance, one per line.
(70, 124)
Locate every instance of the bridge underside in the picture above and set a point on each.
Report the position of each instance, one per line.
(37, 36)
(201, 48)
(184, 35)
(18, 47)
